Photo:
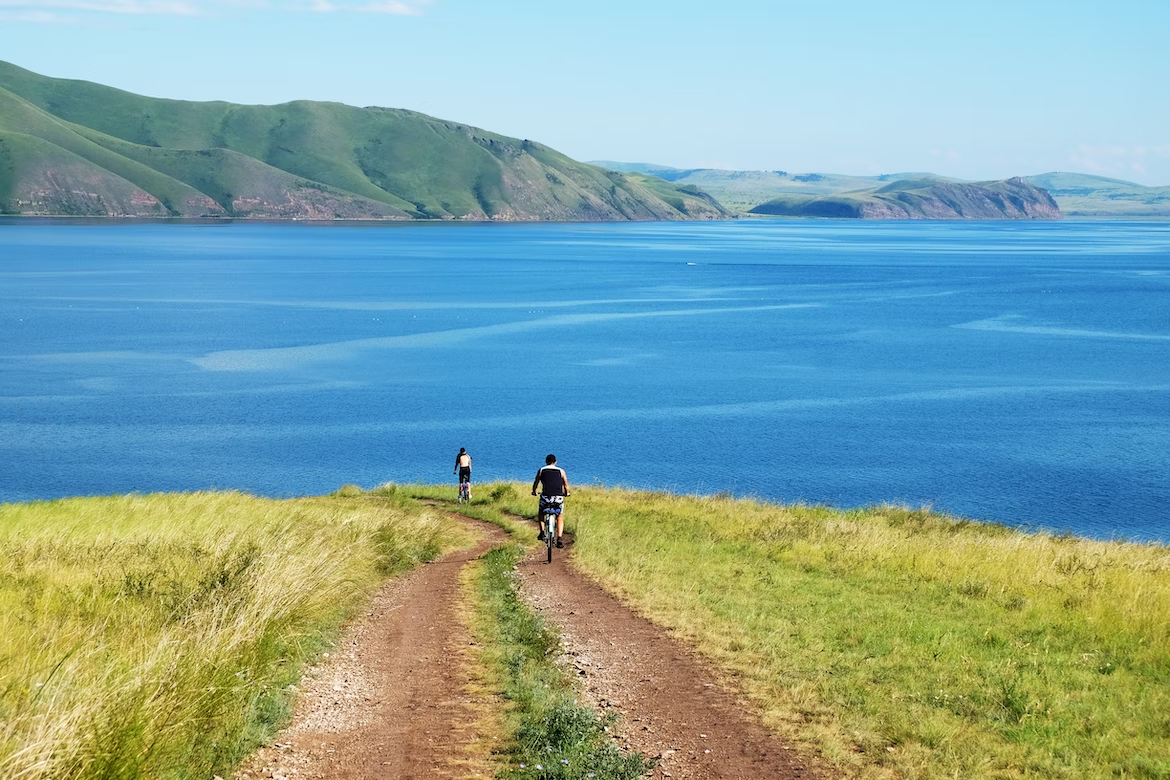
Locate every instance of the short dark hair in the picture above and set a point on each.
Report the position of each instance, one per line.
(462, 450)
(550, 459)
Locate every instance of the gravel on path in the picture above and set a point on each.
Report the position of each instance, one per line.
(672, 704)
(394, 699)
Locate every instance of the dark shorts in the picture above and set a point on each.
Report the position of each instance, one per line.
(551, 505)
(464, 474)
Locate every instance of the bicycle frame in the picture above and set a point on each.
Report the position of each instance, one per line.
(550, 530)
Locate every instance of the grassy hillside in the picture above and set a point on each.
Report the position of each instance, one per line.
(313, 160)
(61, 145)
(923, 199)
(903, 643)
(43, 179)
(1096, 196)
(154, 636)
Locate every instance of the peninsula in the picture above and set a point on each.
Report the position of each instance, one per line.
(923, 199)
(1075, 194)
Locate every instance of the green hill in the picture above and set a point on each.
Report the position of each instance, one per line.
(73, 147)
(1082, 195)
(923, 199)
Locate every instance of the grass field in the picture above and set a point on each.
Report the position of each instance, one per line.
(155, 636)
(901, 643)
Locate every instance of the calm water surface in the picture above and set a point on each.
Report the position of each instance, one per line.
(1015, 372)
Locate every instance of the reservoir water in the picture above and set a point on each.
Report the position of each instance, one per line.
(1003, 371)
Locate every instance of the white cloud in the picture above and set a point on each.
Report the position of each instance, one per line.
(39, 9)
(398, 7)
(37, 17)
(56, 11)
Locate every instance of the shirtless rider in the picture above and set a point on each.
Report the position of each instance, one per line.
(463, 466)
(554, 486)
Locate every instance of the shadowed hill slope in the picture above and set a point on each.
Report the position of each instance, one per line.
(74, 147)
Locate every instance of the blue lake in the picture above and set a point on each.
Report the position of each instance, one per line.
(1003, 371)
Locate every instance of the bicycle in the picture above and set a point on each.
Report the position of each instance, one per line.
(464, 492)
(549, 512)
(550, 532)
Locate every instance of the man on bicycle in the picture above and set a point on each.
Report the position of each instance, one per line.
(554, 486)
(463, 466)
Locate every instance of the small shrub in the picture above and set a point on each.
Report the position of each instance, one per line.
(504, 492)
(347, 491)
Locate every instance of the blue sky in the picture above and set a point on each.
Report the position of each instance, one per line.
(977, 90)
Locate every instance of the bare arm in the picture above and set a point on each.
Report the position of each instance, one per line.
(566, 478)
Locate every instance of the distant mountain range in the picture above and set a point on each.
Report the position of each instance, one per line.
(75, 148)
(1076, 194)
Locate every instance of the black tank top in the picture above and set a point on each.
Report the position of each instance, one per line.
(552, 481)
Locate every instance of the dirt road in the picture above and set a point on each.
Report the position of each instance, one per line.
(392, 701)
(670, 700)
(395, 701)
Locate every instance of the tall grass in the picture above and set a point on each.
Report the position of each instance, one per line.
(902, 643)
(155, 636)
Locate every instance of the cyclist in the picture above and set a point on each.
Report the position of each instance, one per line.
(554, 486)
(463, 466)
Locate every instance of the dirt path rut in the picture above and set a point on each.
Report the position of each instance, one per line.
(392, 700)
(670, 699)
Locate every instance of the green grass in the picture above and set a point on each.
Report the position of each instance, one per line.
(155, 636)
(553, 735)
(901, 643)
(369, 162)
(62, 144)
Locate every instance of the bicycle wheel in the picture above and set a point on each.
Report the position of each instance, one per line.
(550, 531)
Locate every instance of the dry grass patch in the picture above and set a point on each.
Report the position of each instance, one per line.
(155, 636)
